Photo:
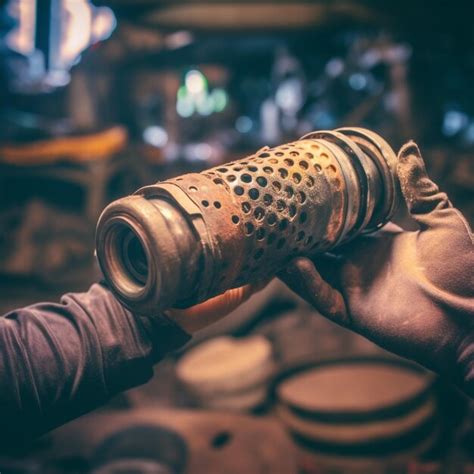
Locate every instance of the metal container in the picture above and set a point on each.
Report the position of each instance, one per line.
(181, 241)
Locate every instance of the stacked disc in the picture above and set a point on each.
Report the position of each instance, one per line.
(228, 373)
(358, 410)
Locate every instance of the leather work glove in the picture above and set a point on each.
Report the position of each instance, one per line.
(411, 293)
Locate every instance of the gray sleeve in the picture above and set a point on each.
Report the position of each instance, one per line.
(58, 361)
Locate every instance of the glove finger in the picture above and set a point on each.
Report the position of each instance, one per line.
(422, 196)
(303, 278)
(203, 314)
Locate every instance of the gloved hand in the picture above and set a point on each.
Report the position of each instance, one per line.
(410, 292)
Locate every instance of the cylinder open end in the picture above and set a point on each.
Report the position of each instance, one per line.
(125, 263)
(134, 257)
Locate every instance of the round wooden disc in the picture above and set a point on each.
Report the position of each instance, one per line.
(356, 387)
(357, 432)
(225, 363)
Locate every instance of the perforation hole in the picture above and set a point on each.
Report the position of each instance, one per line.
(246, 207)
(279, 153)
(252, 168)
(254, 194)
(205, 203)
(283, 224)
(268, 169)
(258, 254)
(292, 210)
(271, 238)
(304, 165)
(332, 169)
(309, 240)
(272, 218)
(301, 197)
(267, 199)
(259, 213)
(193, 188)
(294, 153)
(281, 242)
(222, 170)
(280, 205)
(249, 228)
(246, 178)
(317, 168)
(218, 181)
(308, 155)
(289, 191)
(237, 168)
(303, 217)
(235, 219)
(231, 178)
(276, 185)
(262, 181)
(288, 162)
(260, 234)
(273, 161)
(217, 204)
(264, 155)
(239, 190)
(283, 172)
(310, 182)
(296, 178)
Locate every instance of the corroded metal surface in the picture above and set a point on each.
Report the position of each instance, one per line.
(199, 234)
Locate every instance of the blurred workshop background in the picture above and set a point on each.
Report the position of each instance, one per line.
(98, 98)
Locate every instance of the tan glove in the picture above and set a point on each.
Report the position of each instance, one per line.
(204, 314)
(410, 292)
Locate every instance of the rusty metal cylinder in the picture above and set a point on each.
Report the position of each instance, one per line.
(181, 241)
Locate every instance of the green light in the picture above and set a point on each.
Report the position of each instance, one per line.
(219, 97)
(185, 108)
(182, 93)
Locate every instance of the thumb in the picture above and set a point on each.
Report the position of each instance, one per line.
(302, 277)
(203, 314)
(422, 196)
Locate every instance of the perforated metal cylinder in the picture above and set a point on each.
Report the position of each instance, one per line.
(183, 240)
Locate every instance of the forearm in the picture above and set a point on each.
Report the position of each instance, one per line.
(58, 361)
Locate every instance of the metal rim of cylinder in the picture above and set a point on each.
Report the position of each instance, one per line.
(353, 224)
(386, 161)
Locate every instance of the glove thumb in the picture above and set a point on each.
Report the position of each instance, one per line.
(423, 197)
(303, 278)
